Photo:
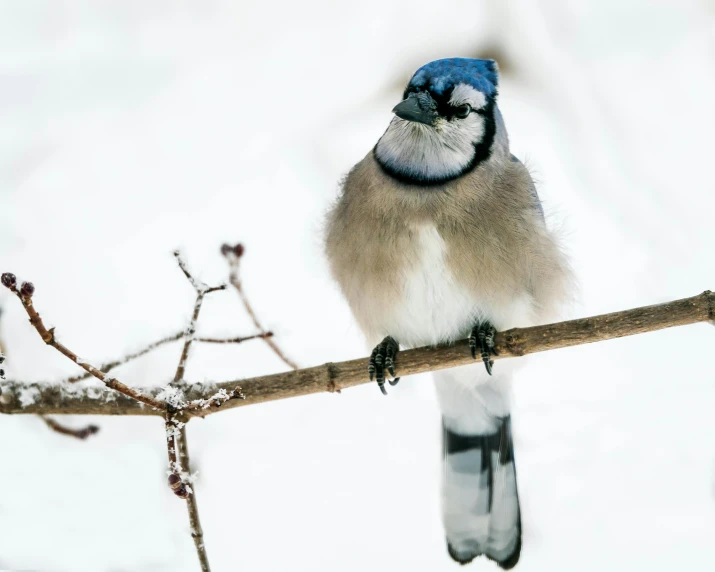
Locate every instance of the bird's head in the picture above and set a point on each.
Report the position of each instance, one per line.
(446, 124)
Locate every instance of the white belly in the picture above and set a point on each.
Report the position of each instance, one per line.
(435, 308)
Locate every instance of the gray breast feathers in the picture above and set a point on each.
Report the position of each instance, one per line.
(422, 263)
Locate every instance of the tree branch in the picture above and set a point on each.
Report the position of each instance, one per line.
(201, 291)
(180, 479)
(53, 399)
(55, 426)
(233, 255)
(197, 532)
(24, 293)
(171, 400)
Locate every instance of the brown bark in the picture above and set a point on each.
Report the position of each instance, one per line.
(197, 532)
(48, 336)
(51, 399)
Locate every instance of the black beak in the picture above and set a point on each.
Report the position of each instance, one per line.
(411, 110)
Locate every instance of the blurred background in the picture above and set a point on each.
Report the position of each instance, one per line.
(128, 129)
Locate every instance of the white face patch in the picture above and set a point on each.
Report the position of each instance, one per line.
(436, 152)
(464, 93)
(426, 152)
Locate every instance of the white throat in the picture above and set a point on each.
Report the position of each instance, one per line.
(424, 152)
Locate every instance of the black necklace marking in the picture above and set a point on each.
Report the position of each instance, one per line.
(482, 152)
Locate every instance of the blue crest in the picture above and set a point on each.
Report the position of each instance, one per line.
(441, 76)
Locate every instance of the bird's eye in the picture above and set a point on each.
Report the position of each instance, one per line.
(463, 110)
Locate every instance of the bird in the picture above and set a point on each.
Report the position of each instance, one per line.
(437, 235)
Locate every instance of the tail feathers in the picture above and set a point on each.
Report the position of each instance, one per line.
(480, 499)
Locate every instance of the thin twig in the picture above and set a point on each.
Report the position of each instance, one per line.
(24, 294)
(180, 475)
(188, 339)
(201, 291)
(56, 426)
(217, 400)
(177, 481)
(261, 336)
(233, 255)
(82, 433)
(2, 345)
(2, 350)
(334, 376)
(197, 284)
(107, 367)
(197, 532)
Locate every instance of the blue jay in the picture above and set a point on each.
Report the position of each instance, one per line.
(438, 235)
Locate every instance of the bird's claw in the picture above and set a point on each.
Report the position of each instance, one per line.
(381, 359)
(482, 337)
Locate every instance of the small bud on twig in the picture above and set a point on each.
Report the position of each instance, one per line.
(64, 430)
(9, 280)
(178, 486)
(236, 250)
(27, 289)
(87, 431)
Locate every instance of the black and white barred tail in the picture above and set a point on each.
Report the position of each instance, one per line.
(480, 504)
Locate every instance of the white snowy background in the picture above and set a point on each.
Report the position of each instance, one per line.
(130, 128)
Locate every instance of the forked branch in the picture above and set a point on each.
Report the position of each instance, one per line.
(24, 293)
(180, 479)
(106, 367)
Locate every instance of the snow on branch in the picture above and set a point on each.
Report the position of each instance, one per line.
(170, 401)
(25, 293)
(181, 400)
(180, 478)
(331, 377)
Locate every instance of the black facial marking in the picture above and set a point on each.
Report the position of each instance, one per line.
(482, 149)
(441, 99)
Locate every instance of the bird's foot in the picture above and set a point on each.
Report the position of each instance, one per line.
(381, 359)
(482, 337)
